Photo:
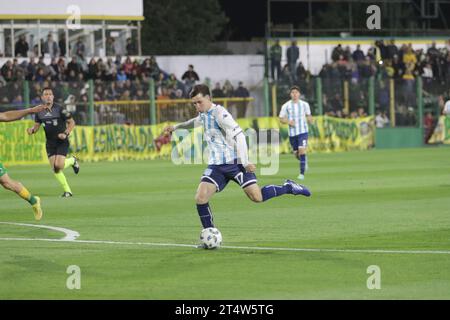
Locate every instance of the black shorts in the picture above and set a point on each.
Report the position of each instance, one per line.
(57, 148)
(221, 174)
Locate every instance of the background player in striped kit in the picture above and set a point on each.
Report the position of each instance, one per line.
(297, 114)
(228, 157)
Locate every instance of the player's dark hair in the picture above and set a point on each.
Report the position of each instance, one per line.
(294, 88)
(200, 88)
(46, 88)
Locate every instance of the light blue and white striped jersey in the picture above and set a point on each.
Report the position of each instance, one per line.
(219, 129)
(297, 112)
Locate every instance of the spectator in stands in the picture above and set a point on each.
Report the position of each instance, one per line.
(217, 92)
(62, 45)
(110, 72)
(380, 51)
(228, 89)
(7, 67)
(409, 86)
(337, 51)
(161, 83)
(275, 60)
(381, 119)
(99, 94)
(409, 58)
(74, 67)
(141, 95)
(172, 82)
(21, 47)
(92, 69)
(336, 104)
(241, 92)
(130, 48)
(301, 73)
(154, 69)
(176, 94)
(53, 69)
(110, 46)
(190, 77)
(128, 66)
(80, 48)
(292, 55)
(361, 112)
(50, 47)
(121, 75)
(358, 54)
(286, 76)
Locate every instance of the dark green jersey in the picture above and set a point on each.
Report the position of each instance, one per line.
(54, 121)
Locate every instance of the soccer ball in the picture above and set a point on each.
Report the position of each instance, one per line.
(211, 238)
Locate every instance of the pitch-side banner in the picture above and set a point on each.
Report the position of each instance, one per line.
(441, 133)
(128, 142)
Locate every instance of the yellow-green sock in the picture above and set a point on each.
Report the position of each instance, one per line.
(69, 162)
(62, 180)
(27, 196)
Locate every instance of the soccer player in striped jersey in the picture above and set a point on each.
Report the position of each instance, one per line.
(228, 157)
(296, 113)
(5, 180)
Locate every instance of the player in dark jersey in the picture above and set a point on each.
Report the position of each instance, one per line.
(58, 124)
(5, 180)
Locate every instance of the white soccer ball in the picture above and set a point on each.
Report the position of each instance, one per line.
(211, 238)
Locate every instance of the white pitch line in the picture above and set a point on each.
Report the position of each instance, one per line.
(70, 234)
(374, 251)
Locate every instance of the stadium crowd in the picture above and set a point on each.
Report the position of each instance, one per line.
(383, 61)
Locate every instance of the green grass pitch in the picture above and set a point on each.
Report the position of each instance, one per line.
(388, 200)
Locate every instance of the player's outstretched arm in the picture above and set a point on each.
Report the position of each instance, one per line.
(18, 114)
(34, 128)
(190, 124)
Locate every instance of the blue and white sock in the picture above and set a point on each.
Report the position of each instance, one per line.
(205, 214)
(270, 191)
(302, 163)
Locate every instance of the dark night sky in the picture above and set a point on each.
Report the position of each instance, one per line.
(248, 18)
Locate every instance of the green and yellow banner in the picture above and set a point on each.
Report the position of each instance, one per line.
(129, 142)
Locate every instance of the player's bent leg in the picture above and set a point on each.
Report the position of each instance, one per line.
(10, 184)
(254, 193)
(51, 160)
(59, 163)
(205, 191)
(22, 192)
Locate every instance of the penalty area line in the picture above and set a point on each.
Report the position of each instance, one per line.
(155, 244)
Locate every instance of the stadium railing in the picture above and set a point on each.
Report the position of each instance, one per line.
(403, 102)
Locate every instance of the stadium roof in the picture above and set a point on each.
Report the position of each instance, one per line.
(63, 9)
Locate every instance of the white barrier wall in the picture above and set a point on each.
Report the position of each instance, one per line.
(246, 68)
